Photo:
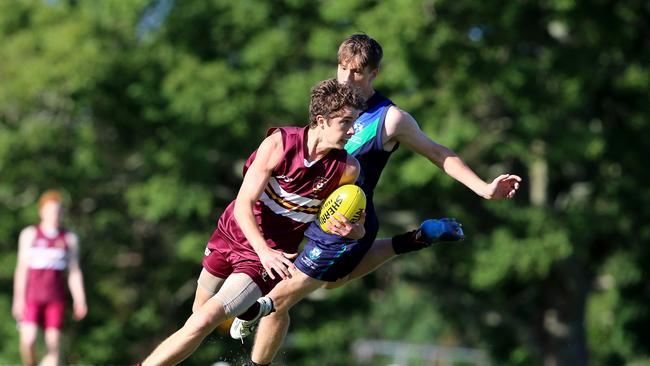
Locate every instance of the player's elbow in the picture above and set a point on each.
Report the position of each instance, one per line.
(242, 209)
(75, 277)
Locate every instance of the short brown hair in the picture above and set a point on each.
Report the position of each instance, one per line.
(49, 195)
(329, 97)
(361, 49)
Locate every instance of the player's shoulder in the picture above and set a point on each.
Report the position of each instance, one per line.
(396, 114)
(71, 238)
(397, 122)
(272, 149)
(285, 132)
(28, 231)
(274, 139)
(275, 132)
(27, 236)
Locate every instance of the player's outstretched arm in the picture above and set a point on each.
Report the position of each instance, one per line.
(401, 127)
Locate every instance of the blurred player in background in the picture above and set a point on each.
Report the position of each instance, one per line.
(45, 252)
(328, 258)
(285, 182)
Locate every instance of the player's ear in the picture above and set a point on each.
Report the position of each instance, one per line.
(320, 121)
(373, 73)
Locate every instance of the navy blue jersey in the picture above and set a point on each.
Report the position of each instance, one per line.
(366, 144)
(329, 257)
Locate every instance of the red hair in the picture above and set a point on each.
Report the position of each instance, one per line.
(49, 195)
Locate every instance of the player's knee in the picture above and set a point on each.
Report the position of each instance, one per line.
(28, 339)
(202, 322)
(52, 343)
(198, 323)
(28, 342)
(279, 317)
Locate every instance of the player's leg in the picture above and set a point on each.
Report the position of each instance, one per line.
(52, 347)
(28, 336)
(319, 259)
(207, 286)
(216, 268)
(323, 259)
(382, 250)
(379, 253)
(182, 344)
(265, 348)
(31, 319)
(54, 314)
(238, 292)
(273, 328)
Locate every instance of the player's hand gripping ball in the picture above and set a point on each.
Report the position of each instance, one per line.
(348, 200)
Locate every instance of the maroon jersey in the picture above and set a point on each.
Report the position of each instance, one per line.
(48, 260)
(290, 201)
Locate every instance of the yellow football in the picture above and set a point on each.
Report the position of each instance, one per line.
(348, 200)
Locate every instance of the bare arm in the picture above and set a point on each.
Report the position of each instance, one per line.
(251, 189)
(75, 278)
(351, 172)
(25, 241)
(401, 127)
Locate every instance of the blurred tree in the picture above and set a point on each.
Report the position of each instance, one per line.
(553, 90)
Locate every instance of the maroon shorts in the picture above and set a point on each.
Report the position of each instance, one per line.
(222, 261)
(47, 315)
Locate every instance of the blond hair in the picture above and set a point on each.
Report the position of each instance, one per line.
(361, 49)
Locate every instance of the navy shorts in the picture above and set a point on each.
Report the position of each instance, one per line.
(329, 257)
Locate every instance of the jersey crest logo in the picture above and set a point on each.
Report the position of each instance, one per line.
(315, 253)
(319, 184)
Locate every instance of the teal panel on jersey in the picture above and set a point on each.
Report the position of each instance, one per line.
(360, 138)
